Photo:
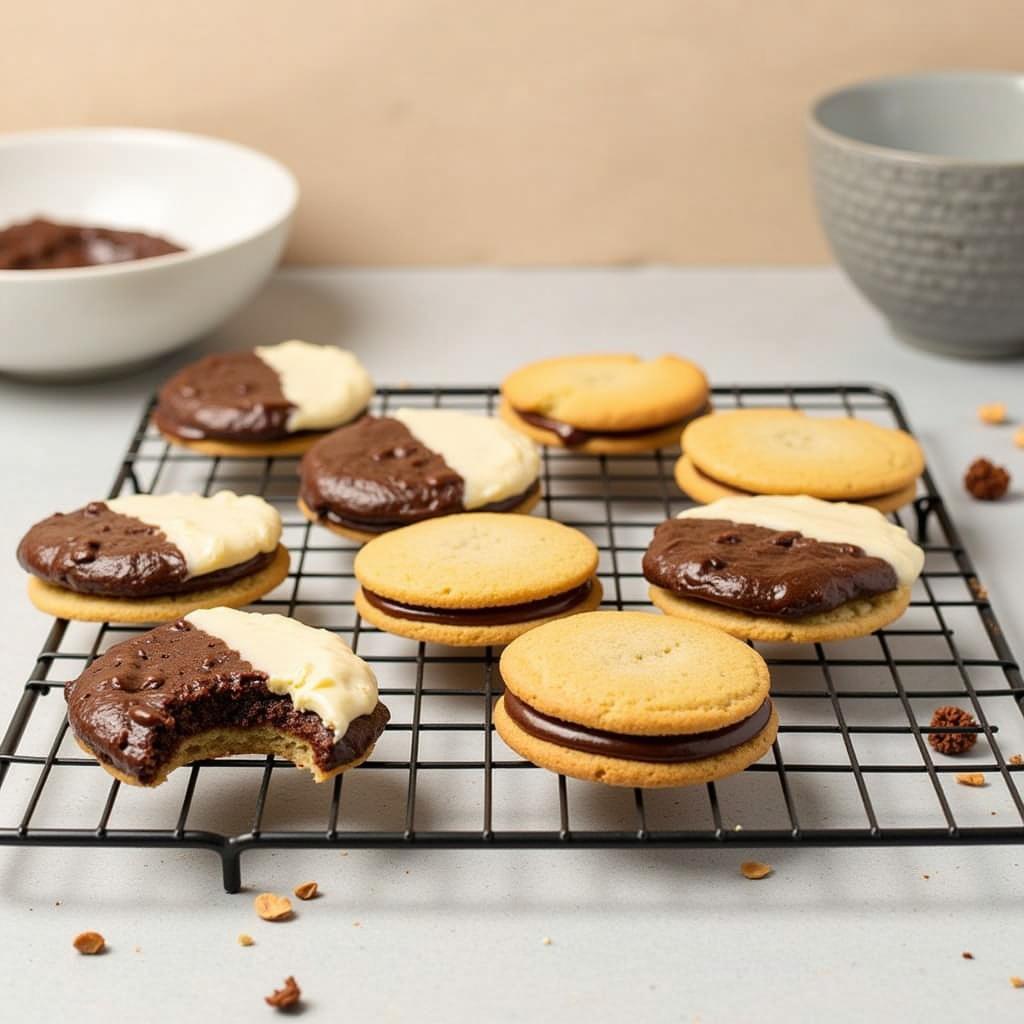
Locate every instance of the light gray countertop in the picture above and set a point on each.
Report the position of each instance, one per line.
(843, 935)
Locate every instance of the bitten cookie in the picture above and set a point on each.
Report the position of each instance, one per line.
(632, 699)
(604, 404)
(271, 400)
(475, 579)
(146, 558)
(785, 569)
(783, 451)
(389, 471)
(220, 682)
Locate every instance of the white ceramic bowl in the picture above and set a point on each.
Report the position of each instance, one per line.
(230, 207)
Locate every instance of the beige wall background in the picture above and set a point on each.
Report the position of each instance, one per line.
(491, 131)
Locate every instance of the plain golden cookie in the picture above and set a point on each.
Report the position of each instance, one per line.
(466, 635)
(614, 771)
(633, 444)
(853, 619)
(636, 673)
(67, 604)
(703, 489)
(214, 743)
(609, 393)
(476, 560)
(526, 506)
(299, 444)
(783, 451)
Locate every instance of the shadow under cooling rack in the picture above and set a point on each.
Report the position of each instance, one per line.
(852, 764)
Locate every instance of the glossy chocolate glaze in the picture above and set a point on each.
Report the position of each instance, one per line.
(230, 396)
(136, 703)
(507, 615)
(573, 437)
(43, 245)
(660, 749)
(94, 550)
(761, 571)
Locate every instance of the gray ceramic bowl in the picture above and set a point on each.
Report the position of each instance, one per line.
(919, 181)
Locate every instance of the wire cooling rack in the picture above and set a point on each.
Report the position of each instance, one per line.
(852, 764)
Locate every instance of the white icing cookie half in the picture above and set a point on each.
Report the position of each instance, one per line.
(327, 385)
(314, 667)
(494, 461)
(835, 522)
(212, 533)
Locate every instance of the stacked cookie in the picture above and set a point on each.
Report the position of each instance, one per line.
(789, 546)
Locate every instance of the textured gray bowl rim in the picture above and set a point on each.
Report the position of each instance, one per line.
(153, 263)
(815, 126)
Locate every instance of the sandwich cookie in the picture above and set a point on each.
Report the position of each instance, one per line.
(272, 400)
(220, 682)
(153, 557)
(383, 472)
(631, 699)
(784, 569)
(475, 579)
(782, 451)
(605, 404)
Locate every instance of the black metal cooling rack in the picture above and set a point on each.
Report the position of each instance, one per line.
(852, 764)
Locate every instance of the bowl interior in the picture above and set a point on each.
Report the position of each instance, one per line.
(198, 192)
(968, 116)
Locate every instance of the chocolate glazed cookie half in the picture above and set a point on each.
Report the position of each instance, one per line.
(375, 475)
(180, 694)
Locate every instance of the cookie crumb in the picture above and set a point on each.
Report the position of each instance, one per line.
(971, 779)
(246, 940)
(272, 907)
(1017, 982)
(545, 941)
(1017, 759)
(926, 877)
(966, 955)
(1018, 437)
(282, 998)
(754, 869)
(89, 943)
(307, 891)
(979, 589)
(737, 828)
(950, 717)
(992, 413)
(986, 481)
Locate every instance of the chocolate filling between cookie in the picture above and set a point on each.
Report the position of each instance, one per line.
(97, 551)
(137, 703)
(781, 574)
(504, 615)
(674, 749)
(375, 475)
(574, 437)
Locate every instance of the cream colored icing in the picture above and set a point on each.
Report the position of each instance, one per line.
(315, 668)
(837, 522)
(328, 386)
(212, 533)
(495, 461)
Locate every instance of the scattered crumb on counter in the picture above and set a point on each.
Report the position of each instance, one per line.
(246, 940)
(272, 907)
(755, 870)
(966, 955)
(951, 717)
(89, 943)
(970, 779)
(307, 891)
(992, 413)
(282, 998)
(986, 481)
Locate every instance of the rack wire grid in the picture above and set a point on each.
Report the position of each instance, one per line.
(852, 765)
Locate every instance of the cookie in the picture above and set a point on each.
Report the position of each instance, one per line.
(221, 682)
(788, 569)
(271, 400)
(604, 404)
(475, 579)
(633, 699)
(384, 472)
(148, 558)
(783, 451)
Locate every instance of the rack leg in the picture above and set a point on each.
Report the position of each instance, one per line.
(922, 511)
(231, 865)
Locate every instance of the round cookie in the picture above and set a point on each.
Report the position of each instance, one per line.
(851, 620)
(604, 403)
(67, 604)
(783, 451)
(640, 680)
(475, 578)
(693, 482)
